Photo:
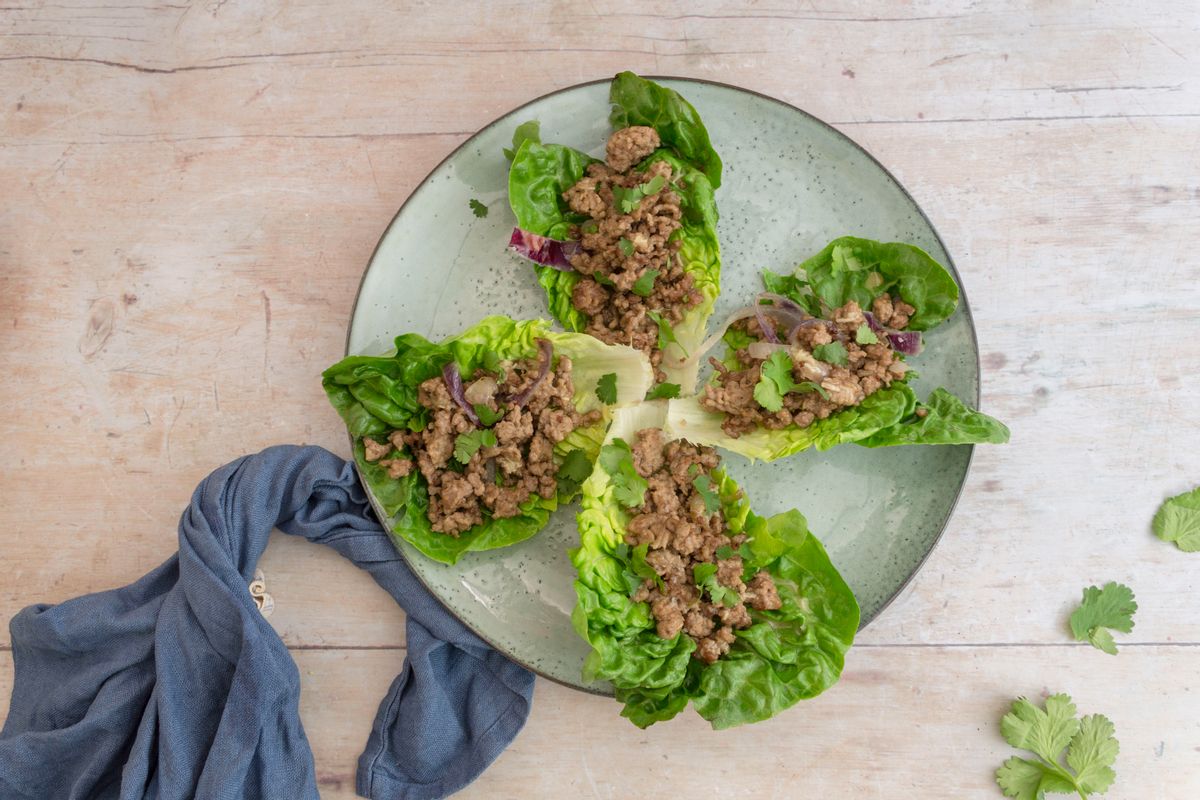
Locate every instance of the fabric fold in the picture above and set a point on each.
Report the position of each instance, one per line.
(176, 686)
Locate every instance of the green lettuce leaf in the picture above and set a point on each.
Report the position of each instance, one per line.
(378, 394)
(947, 421)
(792, 653)
(856, 269)
(637, 101)
(539, 175)
(687, 419)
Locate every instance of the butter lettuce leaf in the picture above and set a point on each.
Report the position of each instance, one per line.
(945, 420)
(793, 653)
(378, 394)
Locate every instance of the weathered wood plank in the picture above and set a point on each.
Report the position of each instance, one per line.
(904, 721)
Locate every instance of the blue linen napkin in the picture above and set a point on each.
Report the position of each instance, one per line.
(177, 687)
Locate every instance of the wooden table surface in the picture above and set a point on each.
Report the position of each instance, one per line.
(189, 192)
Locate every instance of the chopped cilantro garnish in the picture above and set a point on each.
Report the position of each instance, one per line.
(864, 335)
(644, 285)
(478, 207)
(625, 246)
(704, 485)
(666, 334)
(775, 381)
(629, 488)
(832, 353)
(705, 576)
(628, 199)
(664, 390)
(487, 416)
(468, 444)
(606, 388)
(574, 470)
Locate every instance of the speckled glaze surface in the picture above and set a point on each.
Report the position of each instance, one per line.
(791, 184)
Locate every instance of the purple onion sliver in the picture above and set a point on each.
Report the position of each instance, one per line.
(906, 342)
(546, 350)
(543, 250)
(779, 300)
(454, 384)
(874, 323)
(764, 326)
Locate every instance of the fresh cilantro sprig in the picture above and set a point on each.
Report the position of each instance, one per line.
(628, 199)
(1103, 611)
(1178, 521)
(663, 391)
(832, 353)
(775, 380)
(1089, 742)
(466, 445)
(574, 470)
(606, 388)
(705, 576)
(487, 416)
(629, 488)
(666, 333)
(644, 285)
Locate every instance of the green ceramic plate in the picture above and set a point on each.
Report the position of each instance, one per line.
(791, 184)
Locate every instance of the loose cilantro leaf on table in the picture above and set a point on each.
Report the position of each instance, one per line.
(487, 416)
(629, 488)
(574, 470)
(644, 285)
(1089, 742)
(1102, 611)
(663, 391)
(832, 353)
(606, 388)
(775, 381)
(478, 208)
(705, 576)
(1178, 521)
(530, 131)
(468, 444)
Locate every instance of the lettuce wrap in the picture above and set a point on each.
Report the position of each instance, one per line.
(540, 173)
(378, 394)
(786, 655)
(856, 269)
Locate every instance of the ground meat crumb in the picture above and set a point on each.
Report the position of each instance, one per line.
(868, 368)
(680, 535)
(628, 257)
(497, 479)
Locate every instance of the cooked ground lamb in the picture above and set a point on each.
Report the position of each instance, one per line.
(617, 247)
(681, 535)
(869, 368)
(497, 479)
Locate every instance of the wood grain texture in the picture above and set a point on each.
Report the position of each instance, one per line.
(191, 191)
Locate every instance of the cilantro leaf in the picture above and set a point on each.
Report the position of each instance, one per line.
(468, 444)
(809, 386)
(724, 551)
(1178, 521)
(491, 363)
(574, 470)
(703, 484)
(478, 207)
(639, 570)
(600, 279)
(644, 285)
(666, 334)
(864, 335)
(530, 131)
(487, 416)
(1102, 611)
(629, 488)
(1091, 750)
(663, 390)
(832, 353)
(625, 246)
(775, 381)
(705, 576)
(628, 199)
(606, 388)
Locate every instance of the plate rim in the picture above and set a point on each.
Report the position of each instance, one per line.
(964, 305)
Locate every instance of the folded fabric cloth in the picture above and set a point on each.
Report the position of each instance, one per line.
(177, 687)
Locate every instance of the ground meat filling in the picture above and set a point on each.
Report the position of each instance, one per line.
(498, 478)
(630, 264)
(869, 368)
(681, 535)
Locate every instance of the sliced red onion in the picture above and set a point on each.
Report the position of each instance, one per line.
(907, 342)
(767, 328)
(874, 323)
(763, 350)
(544, 250)
(546, 351)
(454, 384)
